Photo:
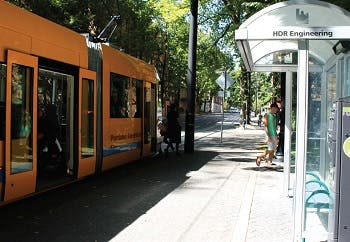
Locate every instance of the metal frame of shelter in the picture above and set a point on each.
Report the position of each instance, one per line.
(297, 37)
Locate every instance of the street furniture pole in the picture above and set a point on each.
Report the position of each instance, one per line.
(191, 79)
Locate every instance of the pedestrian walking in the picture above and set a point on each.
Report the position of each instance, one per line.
(259, 119)
(173, 130)
(244, 122)
(270, 127)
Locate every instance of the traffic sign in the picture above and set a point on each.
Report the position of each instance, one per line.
(221, 80)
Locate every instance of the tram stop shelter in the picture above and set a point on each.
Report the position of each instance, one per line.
(309, 41)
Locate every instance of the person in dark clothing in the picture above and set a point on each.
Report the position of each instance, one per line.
(173, 130)
(42, 141)
(52, 126)
(42, 130)
(49, 148)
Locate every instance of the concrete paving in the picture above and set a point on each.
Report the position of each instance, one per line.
(226, 199)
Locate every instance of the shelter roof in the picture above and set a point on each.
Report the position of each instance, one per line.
(270, 37)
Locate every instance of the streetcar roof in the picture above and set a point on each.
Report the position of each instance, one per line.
(29, 33)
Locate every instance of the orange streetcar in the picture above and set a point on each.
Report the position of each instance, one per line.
(69, 107)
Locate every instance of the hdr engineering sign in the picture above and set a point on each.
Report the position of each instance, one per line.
(290, 33)
(303, 34)
(338, 32)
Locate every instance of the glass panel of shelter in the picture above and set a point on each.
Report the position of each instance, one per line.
(322, 92)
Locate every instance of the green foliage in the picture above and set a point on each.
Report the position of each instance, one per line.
(341, 3)
(235, 13)
(210, 60)
(157, 31)
(136, 31)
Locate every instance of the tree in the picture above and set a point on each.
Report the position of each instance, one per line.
(175, 26)
(174, 44)
(136, 32)
(234, 13)
(226, 16)
(157, 32)
(210, 59)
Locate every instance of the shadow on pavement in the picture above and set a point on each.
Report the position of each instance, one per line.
(99, 207)
(277, 168)
(248, 143)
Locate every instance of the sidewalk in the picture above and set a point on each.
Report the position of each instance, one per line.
(227, 199)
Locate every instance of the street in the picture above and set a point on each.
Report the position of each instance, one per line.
(207, 124)
(100, 207)
(210, 123)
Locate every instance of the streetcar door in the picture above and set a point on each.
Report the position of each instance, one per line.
(20, 134)
(87, 123)
(147, 120)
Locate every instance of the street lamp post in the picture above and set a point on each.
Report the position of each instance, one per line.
(224, 81)
(222, 106)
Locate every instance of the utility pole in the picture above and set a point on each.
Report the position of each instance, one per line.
(191, 79)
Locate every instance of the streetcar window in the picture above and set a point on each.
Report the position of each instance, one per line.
(2, 82)
(119, 96)
(87, 119)
(147, 123)
(21, 118)
(135, 99)
(2, 100)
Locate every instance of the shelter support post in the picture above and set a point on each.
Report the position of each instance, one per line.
(301, 135)
(287, 132)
